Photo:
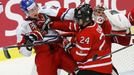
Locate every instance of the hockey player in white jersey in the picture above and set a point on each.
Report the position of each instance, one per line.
(50, 56)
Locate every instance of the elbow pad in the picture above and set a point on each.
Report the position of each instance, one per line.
(117, 20)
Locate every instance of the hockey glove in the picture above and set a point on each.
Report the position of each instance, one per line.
(30, 38)
(68, 47)
(43, 22)
(27, 40)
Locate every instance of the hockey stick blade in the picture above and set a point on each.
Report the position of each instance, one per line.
(6, 53)
(95, 57)
(27, 45)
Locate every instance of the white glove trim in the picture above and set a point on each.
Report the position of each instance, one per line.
(25, 52)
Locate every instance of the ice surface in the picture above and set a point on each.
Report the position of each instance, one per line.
(123, 61)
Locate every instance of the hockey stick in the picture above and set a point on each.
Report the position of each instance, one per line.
(131, 29)
(65, 34)
(95, 57)
(70, 35)
(7, 54)
(129, 35)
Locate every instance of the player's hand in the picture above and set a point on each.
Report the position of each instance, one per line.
(68, 47)
(65, 42)
(43, 22)
(29, 39)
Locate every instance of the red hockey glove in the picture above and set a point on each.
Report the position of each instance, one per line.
(43, 21)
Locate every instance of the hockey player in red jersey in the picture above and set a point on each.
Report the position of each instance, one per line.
(109, 27)
(50, 56)
(88, 41)
(118, 27)
(101, 19)
(68, 14)
(112, 25)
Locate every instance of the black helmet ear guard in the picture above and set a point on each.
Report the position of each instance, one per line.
(83, 12)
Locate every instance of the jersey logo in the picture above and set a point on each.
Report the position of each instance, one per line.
(33, 26)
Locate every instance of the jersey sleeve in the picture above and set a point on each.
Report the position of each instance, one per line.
(122, 40)
(58, 13)
(68, 26)
(21, 30)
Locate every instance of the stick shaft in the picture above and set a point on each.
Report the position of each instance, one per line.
(121, 49)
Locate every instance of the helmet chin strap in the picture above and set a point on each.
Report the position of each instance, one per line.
(85, 24)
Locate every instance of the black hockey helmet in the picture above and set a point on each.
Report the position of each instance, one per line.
(83, 12)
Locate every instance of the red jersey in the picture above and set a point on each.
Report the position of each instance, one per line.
(88, 42)
(57, 13)
(106, 26)
(49, 57)
(130, 16)
(107, 29)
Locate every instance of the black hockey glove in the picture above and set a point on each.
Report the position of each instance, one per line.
(30, 38)
(68, 47)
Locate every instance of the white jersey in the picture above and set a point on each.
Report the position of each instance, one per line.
(30, 27)
(58, 12)
(23, 29)
(118, 21)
